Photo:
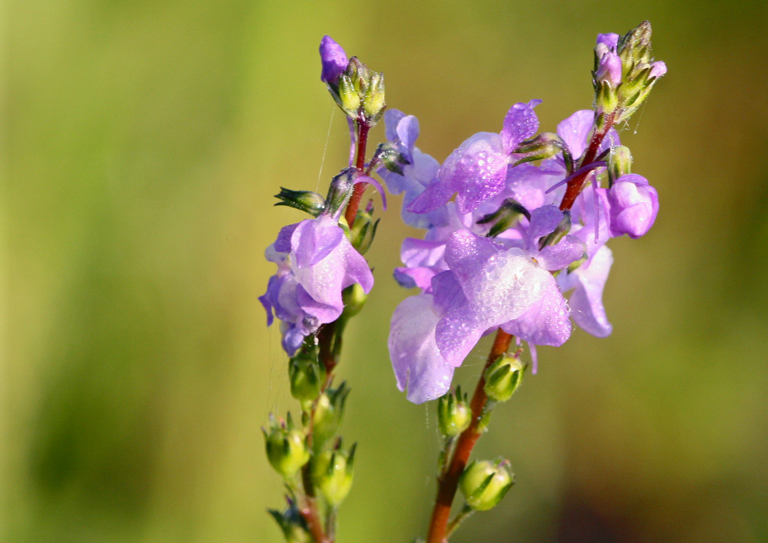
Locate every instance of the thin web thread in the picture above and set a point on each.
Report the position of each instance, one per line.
(325, 148)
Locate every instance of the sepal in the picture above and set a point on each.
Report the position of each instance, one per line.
(485, 483)
(503, 377)
(304, 200)
(306, 374)
(286, 446)
(545, 145)
(332, 473)
(329, 412)
(453, 413)
(505, 217)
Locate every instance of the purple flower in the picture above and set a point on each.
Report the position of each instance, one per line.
(315, 263)
(419, 366)
(610, 40)
(477, 170)
(334, 60)
(588, 282)
(608, 66)
(403, 130)
(508, 287)
(634, 205)
(658, 69)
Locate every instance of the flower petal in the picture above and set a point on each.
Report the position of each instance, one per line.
(520, 123)
(419, 367)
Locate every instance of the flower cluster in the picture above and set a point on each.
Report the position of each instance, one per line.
(504, 252)
(514, 222)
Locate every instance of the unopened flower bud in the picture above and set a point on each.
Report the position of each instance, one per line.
(608, 66)
(328, 414)
(545, 145)
(332, 473)
(334, 60)
(373, 102)
(485, 483)
(349, 96)
(286, 447)
(340, 191)
(635, 46)
(388, 155)
(306, 375)
(634, 205)
(354, 298)
(503, 377)
(305, 200)
(359, 74)
(453, 413)
(363, 230)
(619, 163)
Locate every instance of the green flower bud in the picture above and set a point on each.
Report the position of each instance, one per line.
(453, 413)
(503, 377)
(349, 97)
(354, 298)
(306, 374)
(364, 229)
(328, 414)
(388, 156)
(606, 98)
(286, 447)
(305, 200)
(635, 46)
(373, 102)
(332, 473)
(359, 74)
(340, 191)
(619, 163)
(485, 483)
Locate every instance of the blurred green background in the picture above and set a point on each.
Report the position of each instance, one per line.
(144, 143)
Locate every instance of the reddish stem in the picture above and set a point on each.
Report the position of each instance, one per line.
(448, 482)
(357, 194)
(576, 184)
(309, 511)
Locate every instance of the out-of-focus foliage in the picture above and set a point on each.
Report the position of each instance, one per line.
(143, 143)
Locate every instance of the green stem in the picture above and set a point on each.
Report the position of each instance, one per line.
(463, 515)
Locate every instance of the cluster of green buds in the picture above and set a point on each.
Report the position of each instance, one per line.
(286, 446)
(624, 73)
(361, 92)
(357, 90)
(503, 377)
(484, 483)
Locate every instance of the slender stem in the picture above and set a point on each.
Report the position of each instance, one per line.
(357, 194)
(329, 342)
(310, 511)
(576, 184)
(448, 482)
(463, 515)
